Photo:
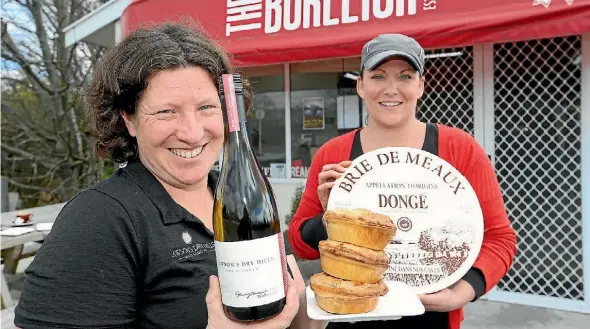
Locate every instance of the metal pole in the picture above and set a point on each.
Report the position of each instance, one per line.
(4, 194)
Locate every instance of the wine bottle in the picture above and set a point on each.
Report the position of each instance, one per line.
(249, 245)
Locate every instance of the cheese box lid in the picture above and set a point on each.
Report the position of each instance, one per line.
(438, 216)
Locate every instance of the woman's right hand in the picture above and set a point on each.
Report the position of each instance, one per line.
(218, 320)
(294, 315)
(326, 178)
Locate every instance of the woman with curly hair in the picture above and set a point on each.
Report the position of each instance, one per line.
(137, 250)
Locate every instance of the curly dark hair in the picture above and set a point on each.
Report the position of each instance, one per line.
(122, 75)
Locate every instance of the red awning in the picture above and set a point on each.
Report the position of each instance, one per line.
(260, 32)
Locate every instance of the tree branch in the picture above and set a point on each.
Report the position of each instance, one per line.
(27, 155)
(50, 20)
(16, 57)
(63, 183)
(27, 187)
(28, 127)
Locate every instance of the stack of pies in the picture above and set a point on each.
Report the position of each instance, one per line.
(353, 261)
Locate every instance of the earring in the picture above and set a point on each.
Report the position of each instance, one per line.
(367, 120)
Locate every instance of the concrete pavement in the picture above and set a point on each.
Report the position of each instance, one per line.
(484, 314)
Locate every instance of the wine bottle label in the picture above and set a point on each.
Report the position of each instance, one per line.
(252, 273)
(230, 103)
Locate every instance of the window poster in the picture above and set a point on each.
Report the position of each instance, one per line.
(313, 113)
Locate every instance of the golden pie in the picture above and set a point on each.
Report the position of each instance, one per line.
(349, 262)
(360, 227)
(338, 296)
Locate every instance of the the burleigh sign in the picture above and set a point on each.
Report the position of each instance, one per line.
(273, 16)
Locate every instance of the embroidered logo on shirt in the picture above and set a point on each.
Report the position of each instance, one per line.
(192, 251)
(186, 237)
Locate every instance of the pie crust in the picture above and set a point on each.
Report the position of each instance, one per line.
(338, 296)
(354, 263)
(360, 227)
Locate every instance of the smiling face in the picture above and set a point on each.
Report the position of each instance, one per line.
(178, 125)
(391, 92)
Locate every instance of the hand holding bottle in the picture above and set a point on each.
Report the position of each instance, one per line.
(218, 320)
(294, 315)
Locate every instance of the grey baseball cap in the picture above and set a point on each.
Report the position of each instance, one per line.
(384, 46)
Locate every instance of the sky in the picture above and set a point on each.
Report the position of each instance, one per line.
(13, 12)
(17, 15)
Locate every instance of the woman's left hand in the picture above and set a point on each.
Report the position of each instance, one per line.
(449, 299)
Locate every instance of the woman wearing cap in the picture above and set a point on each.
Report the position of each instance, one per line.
(390, 84)
(136, 250)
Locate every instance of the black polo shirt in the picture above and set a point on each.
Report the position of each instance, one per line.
(121, 254)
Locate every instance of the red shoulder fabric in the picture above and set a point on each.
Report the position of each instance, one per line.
(333, 151)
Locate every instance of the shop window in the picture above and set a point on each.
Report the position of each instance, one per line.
(266, 123)
(323, 106)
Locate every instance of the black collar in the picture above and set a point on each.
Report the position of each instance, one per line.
(170, 211)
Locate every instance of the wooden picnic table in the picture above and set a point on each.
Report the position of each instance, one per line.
(45, 214)
(13, 247)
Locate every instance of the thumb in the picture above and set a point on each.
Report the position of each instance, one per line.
(346, 163)
(213, 298)
(430, 299)
(291, 309)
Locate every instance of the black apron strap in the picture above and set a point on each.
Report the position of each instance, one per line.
(430, 142)
(431, 139)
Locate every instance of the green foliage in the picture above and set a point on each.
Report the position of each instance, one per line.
(295, 201)
(296, 198)
(108, 170)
